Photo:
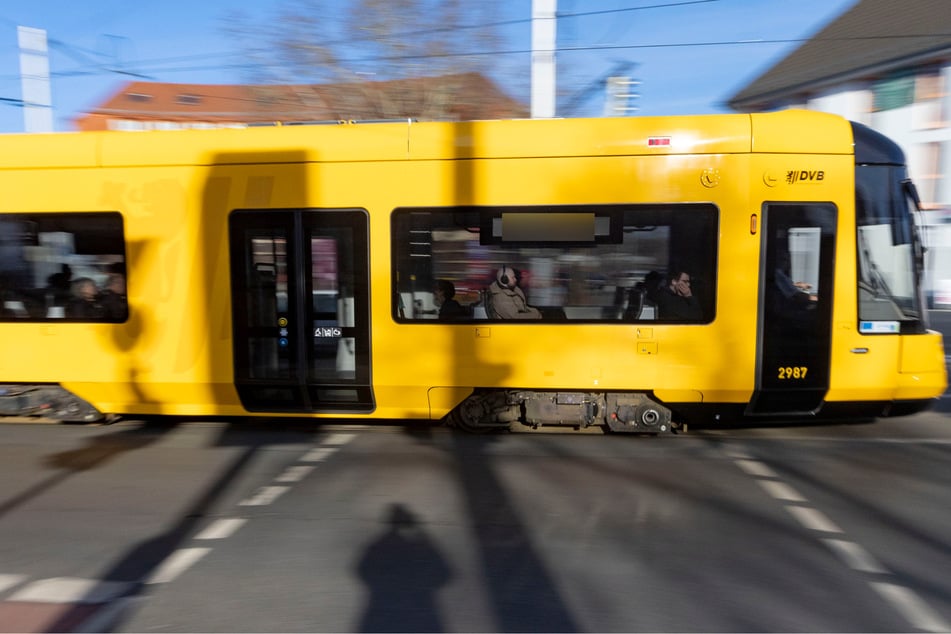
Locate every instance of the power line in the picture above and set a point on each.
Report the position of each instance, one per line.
(652, 6)
(617, 47)
(84, 55)
(155, 66)
(486, 25)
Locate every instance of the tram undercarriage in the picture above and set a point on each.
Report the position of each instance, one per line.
(504, 410)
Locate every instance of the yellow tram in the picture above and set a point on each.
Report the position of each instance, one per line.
(293, 271)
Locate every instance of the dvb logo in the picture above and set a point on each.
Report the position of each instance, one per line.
(804, 176)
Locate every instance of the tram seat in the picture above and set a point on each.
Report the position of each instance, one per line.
(629, 303)
(490, 313)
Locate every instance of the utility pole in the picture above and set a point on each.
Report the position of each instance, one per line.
(621, 96)
(35, 80)
(543, 58)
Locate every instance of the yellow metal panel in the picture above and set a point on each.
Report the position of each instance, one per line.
(48, 151)
(921, 385)
(864, 368)
(679, 396)
(800, 132)
(581, 137)
(647, 347)
(285, 144)
(443, 399)
(922, 353)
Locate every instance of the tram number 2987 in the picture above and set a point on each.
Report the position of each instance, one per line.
(792, 373)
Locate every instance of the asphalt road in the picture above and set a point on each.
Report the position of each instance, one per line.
(181, 526)
(219, 527)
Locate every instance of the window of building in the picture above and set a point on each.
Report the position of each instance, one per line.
(589, 263)
(62, 267)
(138, 96)
(125, 125)
(188, 100)
(895, 91)
(929, 84)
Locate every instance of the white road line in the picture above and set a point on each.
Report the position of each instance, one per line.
(70, 590)
(222, 528)
(265, 496)
(916, 611)
(781, 491)
(175, 564)
(8, 581)
(295, 474)
(338, 439)
(756, 468)
(813, 519)
(319, 454)
(855, 557)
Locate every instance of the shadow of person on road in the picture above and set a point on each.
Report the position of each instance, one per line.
(403, 571)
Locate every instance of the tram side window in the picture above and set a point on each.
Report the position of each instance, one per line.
(574, 263)
(63, 267)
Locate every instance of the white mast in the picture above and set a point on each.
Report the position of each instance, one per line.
(543, 58)
(35, 80)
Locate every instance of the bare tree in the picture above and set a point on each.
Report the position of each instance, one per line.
(378, 48)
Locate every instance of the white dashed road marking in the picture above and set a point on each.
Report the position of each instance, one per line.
(756, 468)
(175, 564)
(855, 557)
(338, 439)
(9, 581)
(70, 590)
(117, 597)
(781, 491)
(296, 473)
(813, 520)
(265, 496)
(319, 454)
(912, 607)
(220, 529)
(903, 600)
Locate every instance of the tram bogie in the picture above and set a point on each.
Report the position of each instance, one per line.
(500, 410)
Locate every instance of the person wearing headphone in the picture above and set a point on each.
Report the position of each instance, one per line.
(507, 299)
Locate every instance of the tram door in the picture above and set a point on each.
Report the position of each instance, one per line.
(300, 310)
(795, 308)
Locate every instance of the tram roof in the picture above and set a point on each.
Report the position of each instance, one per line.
(793, 132)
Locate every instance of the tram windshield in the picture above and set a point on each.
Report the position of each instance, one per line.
(889, 252)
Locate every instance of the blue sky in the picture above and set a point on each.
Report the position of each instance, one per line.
(690, 55)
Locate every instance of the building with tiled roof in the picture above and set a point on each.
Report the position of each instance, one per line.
(141, 105)
(886, 64)
(871, 41)
(883, 63)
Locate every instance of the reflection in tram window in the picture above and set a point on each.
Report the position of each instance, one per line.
(581, 263)
(43, 256)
